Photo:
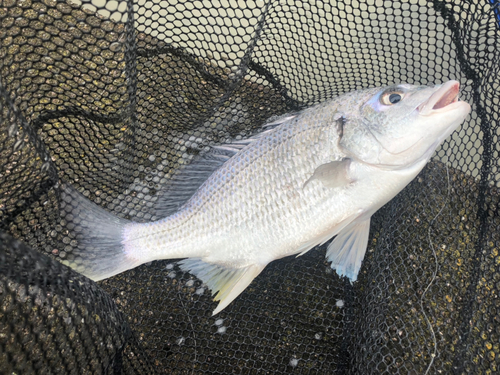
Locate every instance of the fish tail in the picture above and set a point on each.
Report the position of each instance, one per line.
(100, 252)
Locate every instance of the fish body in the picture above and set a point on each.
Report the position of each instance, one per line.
(313, 175)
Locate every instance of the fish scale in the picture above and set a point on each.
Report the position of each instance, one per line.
(309, 177)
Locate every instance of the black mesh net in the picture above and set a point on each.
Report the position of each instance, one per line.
(115, 97)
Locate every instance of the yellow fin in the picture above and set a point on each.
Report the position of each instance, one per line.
(227, 282)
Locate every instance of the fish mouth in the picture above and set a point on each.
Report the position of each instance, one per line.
(442, 99)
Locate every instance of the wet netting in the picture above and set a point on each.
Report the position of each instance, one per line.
(115, 97)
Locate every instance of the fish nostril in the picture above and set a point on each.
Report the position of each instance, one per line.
(340, 127)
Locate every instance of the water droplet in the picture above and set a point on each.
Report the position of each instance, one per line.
(114, 47)
(13, 130)
(18, 145)
(45, 167)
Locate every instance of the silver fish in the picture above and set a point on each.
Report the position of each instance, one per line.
(311, 176)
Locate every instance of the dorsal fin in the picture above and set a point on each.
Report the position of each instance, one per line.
(188, 180)
(185, 182)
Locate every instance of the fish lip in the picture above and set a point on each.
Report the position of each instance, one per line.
(442, 99)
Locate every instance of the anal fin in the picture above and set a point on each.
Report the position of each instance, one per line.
(227, 282)
(347, 250)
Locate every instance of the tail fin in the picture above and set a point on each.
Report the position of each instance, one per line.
(100, 252)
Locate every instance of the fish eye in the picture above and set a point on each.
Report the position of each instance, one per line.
(391, 97)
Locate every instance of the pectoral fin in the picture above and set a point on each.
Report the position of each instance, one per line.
(333, 174)
(227, 282)
(347, 250)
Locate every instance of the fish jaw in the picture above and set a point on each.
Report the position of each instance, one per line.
(443, 99)
(444, 107)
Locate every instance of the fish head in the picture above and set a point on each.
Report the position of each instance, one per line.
(400, 125)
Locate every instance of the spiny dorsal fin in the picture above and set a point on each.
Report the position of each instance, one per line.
(227, 282)
(187, 181)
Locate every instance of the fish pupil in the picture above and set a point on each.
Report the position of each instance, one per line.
(394, 98)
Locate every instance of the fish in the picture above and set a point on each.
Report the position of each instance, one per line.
(306, 178)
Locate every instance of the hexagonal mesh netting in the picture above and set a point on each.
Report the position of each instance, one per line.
(114, 97)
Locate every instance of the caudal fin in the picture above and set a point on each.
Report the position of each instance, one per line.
(100, 251)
